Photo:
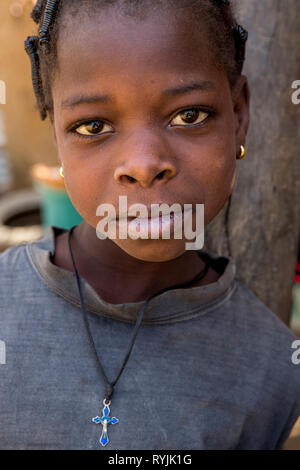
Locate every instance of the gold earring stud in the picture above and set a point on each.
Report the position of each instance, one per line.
(242, 154)
(61, 172)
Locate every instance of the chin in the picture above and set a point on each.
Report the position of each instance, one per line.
(152, 250)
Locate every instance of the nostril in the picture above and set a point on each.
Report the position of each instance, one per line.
(131, 179)
(127, 178)
(161, 175)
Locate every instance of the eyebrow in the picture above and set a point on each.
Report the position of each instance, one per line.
(203, 86)
(85, 99)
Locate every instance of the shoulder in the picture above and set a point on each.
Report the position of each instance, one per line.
(18, 277)
(17, 266)
(12, 261)
(264, 334)
(258, 321)
(269, 357)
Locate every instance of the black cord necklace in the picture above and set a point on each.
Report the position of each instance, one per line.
(109, 386)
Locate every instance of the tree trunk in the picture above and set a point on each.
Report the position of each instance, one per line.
(259, 226)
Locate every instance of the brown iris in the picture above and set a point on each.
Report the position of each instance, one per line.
(190, 115)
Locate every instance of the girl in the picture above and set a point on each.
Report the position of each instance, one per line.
(147, 101)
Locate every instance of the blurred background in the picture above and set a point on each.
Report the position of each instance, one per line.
(32, 194)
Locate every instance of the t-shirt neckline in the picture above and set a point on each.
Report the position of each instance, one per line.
(168, 307)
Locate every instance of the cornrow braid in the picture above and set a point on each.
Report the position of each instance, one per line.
(42, 46)
(47, 10)
(31, 46)
(37, 11)
(240, 38)
(49, 16)
(240, 35)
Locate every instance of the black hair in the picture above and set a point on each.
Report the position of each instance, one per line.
(229, 38)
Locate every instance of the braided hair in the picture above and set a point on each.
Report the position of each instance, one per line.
(45, 9)
(230, 39)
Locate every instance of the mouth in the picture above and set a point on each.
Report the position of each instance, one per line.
(157, 227)
(163, 214)
(130, 218)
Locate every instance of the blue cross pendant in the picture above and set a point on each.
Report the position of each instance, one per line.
(105, 420)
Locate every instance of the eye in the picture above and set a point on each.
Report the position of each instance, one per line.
(190, 116)
(93, 128)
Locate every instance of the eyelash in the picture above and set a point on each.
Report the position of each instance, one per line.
(209, 111)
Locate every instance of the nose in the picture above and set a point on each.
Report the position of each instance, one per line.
(145, 160)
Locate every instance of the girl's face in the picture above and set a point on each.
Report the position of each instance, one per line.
(142, 110)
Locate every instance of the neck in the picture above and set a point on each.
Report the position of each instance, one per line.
(117, 276)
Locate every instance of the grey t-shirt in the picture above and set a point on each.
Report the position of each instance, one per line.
(211, 367)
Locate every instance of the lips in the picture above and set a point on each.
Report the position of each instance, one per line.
(162, 213)
(147, 226)
(155, 227)
(129, 218)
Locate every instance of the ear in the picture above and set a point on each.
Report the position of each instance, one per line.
(241, 107)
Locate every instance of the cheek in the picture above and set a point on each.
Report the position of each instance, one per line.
(87, 183)
(214, 175)
(87, 191)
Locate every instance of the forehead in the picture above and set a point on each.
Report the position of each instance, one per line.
(112, 49)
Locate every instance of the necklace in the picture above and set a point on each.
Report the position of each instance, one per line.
(105, 419)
